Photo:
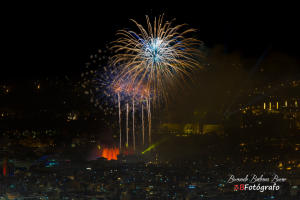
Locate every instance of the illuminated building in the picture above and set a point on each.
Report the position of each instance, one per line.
(191, 128)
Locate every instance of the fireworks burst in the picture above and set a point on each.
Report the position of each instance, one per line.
(96, 82)
(155, 58)
(145, 68)
(108, 95)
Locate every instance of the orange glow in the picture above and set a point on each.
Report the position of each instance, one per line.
(110, 153)
(118, 89)
(242, 144)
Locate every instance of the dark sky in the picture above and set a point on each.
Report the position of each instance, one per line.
(56, 40)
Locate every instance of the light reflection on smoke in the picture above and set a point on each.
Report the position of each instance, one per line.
(110, 153)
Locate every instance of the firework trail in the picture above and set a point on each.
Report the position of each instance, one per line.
(133, 133)
(157, 56)
(143, 126)
(149, 118)
(127, 129)
(120, 125)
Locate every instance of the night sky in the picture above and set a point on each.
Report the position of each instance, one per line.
(55, 40)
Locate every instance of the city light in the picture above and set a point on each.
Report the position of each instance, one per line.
(107, 105)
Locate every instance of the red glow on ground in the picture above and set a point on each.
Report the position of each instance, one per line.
(110, 153)
(128, 152)
(4, 167)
